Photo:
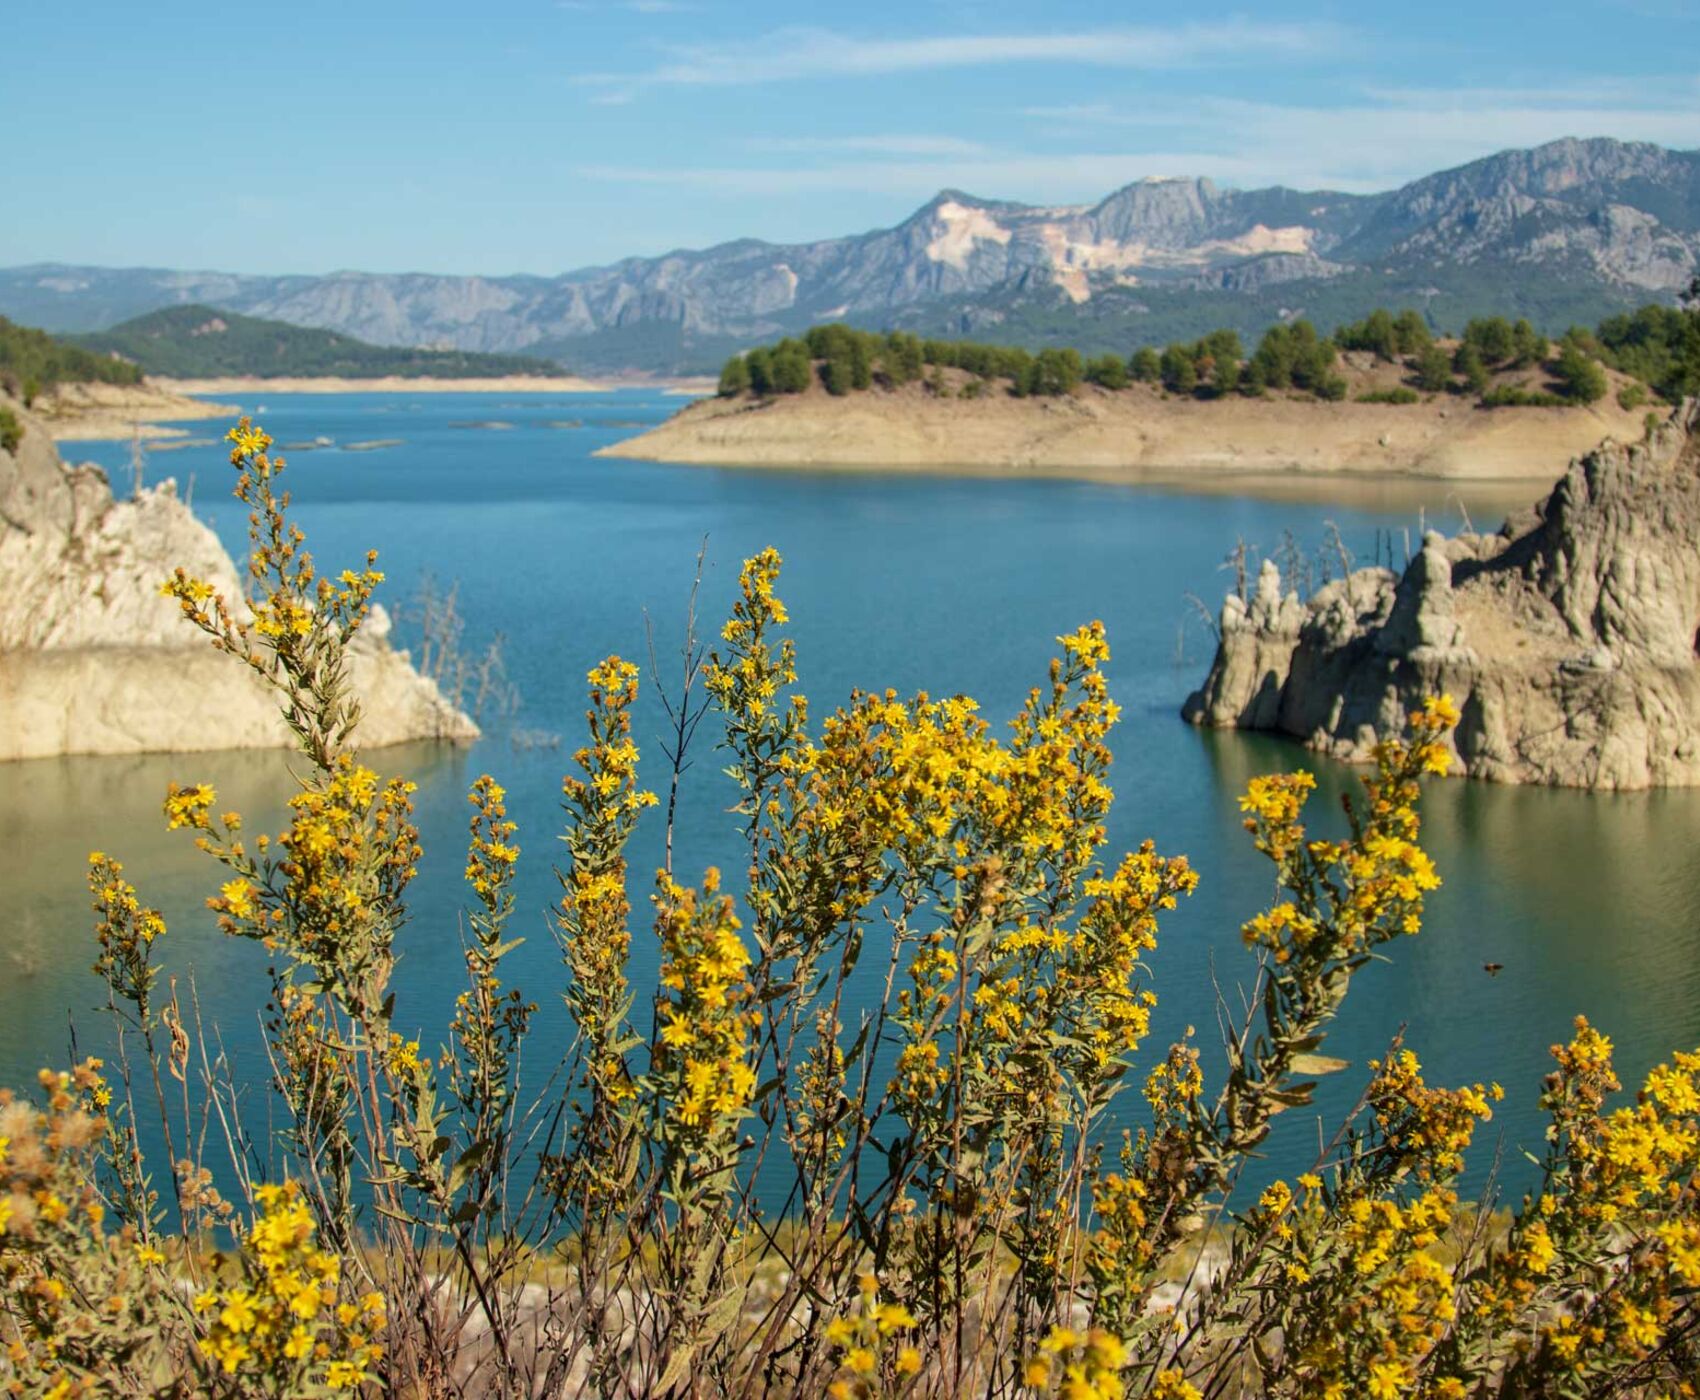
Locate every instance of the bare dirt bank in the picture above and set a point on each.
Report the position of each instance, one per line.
(87, 412)
(1134, 434)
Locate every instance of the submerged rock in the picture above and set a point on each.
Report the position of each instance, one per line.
(1568, 639)
(94, 660)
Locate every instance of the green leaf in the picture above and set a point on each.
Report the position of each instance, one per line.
(1318, 1064)
(677, 1366)
(1294, 1096)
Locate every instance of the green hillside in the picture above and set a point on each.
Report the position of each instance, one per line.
(32, 361)
(197, 342)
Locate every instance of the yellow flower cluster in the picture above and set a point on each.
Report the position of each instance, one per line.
(73, 1297)
(125, 932)
(919, 1076)
(492, 853)
(936, 787)
(350, 852)
(1119, 1254)
(41, 1189)
(1353, 894)
(705, 1021)
(603, 808)
(747, 683)
(610, 761)
(1599, 1262)
(1390, 1294)
(188, 806)
(1088, 1366)
(872, 1345)
(297, 625)
(1175, 1084)
(284, 1321)
(1275, 799)
(1430, 1128)
(1117, 928)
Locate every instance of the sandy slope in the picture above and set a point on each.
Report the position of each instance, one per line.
(114, 411)
(1138, 433)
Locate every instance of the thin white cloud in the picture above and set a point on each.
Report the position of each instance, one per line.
(1372, 143)
(636, 7)
(1044, 179)
(867, 145)
(804, 53)
(1390, 136)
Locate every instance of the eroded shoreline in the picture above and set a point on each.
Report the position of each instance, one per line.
(1134, 436)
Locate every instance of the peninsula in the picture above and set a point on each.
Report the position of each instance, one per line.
(1129, 435)
(136, 378)
(1385, 396)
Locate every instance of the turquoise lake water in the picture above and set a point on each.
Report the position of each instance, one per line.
(951, 584)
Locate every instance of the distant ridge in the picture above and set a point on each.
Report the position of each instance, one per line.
(197, 342)
(1566, 232)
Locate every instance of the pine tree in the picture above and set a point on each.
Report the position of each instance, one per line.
(734, 378)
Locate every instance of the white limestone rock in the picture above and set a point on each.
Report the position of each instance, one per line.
(94, 660)
(1568, 640)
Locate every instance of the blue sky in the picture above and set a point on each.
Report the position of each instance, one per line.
(505, 136)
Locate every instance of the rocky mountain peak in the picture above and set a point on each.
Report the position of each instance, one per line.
(1566, 232)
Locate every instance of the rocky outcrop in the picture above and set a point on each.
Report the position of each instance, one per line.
(1568, 639)
(94, 660)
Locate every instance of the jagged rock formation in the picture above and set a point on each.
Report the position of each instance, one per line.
(1568, 231)
(1568, 639)
(94, 660)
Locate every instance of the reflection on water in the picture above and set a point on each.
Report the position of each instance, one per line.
(54, 812)
(919, 581)
(1587, 901)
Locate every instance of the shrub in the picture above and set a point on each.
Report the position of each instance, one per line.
(11, 430)
(1434, 370)
(1375, 334)
(1580, 374)
(1411, 332)
(734, 378)
(835, 376)
(759, 364)
(1180, 370)
(1107, 372)
(1515, 396)
(1467, 360)
(1631, 396)
(1398, 395)
(1491, 337)
(792, 369)
(1659, 345)
(955, 1224)
(1054, 373)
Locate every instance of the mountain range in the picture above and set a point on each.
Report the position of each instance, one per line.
(1565, 232)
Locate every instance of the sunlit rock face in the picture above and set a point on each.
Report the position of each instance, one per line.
(94, 660)
(1568, 639)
